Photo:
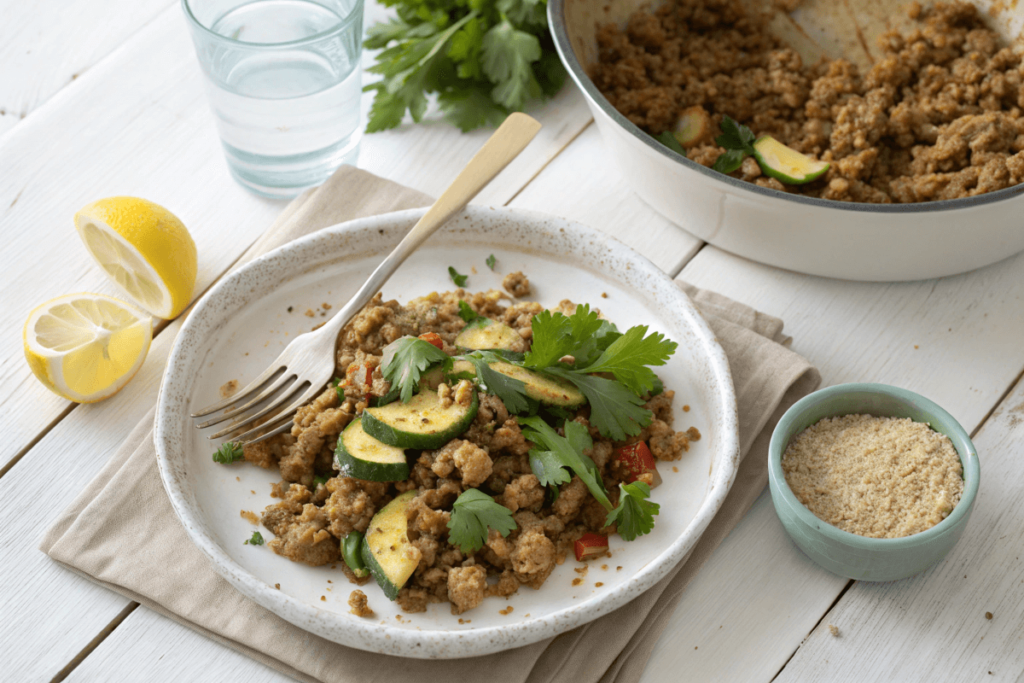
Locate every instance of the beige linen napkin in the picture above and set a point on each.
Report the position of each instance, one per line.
(122, 533)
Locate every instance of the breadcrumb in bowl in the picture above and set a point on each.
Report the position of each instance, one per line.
(859, 556)
(756, 219)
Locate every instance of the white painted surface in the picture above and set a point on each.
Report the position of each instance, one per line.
(135, 122)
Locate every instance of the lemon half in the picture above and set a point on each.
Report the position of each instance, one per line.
(144, 248)
(86, 347)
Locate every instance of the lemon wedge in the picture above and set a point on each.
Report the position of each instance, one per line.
(144, 248)
(85, 347)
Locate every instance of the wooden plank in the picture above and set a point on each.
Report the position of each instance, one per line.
(933, 626)
(951, 340)
(582, 186)
(154, 138)
(45, 46)
(150, 647)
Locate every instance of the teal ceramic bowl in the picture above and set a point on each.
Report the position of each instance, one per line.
(847, 554)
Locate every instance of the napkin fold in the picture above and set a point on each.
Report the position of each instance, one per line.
(122, 533)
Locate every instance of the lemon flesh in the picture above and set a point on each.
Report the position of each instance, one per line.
(85, 347)
(786, 164)
(144, 248)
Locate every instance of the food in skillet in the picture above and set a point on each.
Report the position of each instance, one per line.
(937, 116)
(467, 448)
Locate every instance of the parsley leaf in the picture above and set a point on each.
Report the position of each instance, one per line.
(511, 391)
(467, 313)
(473, 514)
(507, 55)
(634, 514)
(405, 359)
(228, 452)
(556, 336)
(614, 409)
(336, 383)
(669, 140)
(491, 261)
(317, 479)
(552, 453)
(256, 539)
(628, 357)
(738, 141)
(459, 280)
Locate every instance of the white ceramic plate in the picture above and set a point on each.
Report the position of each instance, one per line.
(244, 321)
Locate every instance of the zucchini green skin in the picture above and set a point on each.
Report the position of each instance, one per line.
(400, 424)
(352, 552)
(360, 456)
(768, 151)
(386, 550)
(548, 390)
(484, 334)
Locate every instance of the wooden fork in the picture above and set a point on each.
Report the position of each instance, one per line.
(307, 364)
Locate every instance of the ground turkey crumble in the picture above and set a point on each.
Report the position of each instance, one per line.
(938, 116)
(310, 518)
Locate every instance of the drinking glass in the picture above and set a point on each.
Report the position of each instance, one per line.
(283, 81)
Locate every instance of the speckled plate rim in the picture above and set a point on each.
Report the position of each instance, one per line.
(583, 243)
(961, 442)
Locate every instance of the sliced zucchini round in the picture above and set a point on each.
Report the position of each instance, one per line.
(484, 334)
(549, 390)
(785, 164)
(421, 423)
(386, 549)
(360, 456)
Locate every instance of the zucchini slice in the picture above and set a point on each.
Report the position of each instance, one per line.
(548, 390)
(360, 456)
(785, 164)
(421, 423)
(386, 550)
(484, 334)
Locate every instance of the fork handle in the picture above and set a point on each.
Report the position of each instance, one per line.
(500, 149)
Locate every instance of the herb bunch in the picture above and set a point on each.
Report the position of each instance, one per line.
(482, 58)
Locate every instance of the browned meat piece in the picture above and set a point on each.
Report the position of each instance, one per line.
(300, 529)
(523, 493)
(466, 587)
(516, 284)
(533, 558)
(359, 605)
(352, 504)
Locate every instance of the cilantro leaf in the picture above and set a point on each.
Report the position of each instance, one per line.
(467, 313)
(507, 55)
(405, 359)
(556, 336)
(735, 136)
(738, 141)
(255, 539)
(469, 109)
(615, 410)
(511, 391)
(628, 357)
(491, 261)
(634, 514)
(317, 479)
(473, 515)
(336, 383)
(666, 138)
(729, 161)
(228, 452)
(459, 280)
(552, 452)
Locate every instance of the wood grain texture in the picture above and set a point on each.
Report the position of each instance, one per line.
(45, 45)
(583, 186)
(155, 138)
(952, 340)
(150, 647)
(933, 626)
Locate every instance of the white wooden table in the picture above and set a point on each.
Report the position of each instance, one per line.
(99, 99)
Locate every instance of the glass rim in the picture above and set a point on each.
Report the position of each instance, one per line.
(343, 24)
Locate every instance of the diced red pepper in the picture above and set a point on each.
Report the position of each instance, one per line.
(590, 545)
(433, 338)
(369, 383)
(636, 460)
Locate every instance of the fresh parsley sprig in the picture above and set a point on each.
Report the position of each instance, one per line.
(634, 514)
(738, 141)
(491, 261)
(554, 457)
(228, 452)
(255, 539)
(467, 313)
(473, 515)
(404, 361)
(510, 390)
(459, 279)
(483, 58)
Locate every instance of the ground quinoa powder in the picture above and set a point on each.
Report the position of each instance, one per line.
(880, 477)
(938, 116)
